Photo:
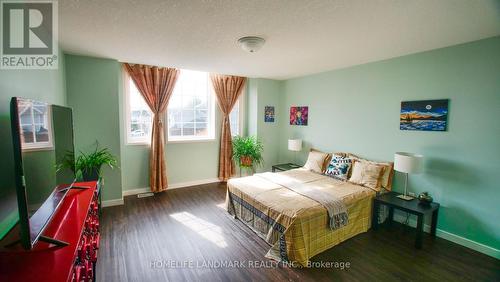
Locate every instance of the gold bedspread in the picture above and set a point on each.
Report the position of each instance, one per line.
(295, 226)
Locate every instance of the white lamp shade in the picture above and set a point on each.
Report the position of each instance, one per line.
(295, 144)
(408, 162)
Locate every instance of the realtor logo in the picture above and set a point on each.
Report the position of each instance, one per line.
(29, 35)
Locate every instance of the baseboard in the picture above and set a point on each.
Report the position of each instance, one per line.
(136, 191)
(487, 250)
(110, 203)
(193, 183)
(172, 186)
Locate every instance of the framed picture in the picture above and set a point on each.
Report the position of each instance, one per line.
(269, 114)
(299, 115)
(427, 115)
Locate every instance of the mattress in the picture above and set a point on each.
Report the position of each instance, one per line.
(295, 226)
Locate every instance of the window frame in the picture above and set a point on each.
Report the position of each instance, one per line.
(128, 121)
(38, 146)
(241, 115)
(211, 120)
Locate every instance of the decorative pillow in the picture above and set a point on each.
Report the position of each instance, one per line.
(388, 171)
(339, 167)
(367, 174)
(316, 161)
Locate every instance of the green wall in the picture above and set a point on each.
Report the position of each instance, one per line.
(262, 93)
(92, 87)
(252, 107)
(357, 110)
(186, 162)
(43, 85)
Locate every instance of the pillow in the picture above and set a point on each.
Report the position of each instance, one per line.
(316, 161)
(367, 174)
(388, 171)
(339, 167)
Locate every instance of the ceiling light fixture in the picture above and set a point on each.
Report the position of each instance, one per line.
(251, 44)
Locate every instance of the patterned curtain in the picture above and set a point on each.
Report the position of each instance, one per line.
(227, 89)
(156, 85)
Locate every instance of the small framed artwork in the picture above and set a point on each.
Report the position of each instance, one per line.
(299, 115)
(269, 114)
(426, 115)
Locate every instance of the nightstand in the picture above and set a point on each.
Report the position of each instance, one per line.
(283, 167)
(413, 207)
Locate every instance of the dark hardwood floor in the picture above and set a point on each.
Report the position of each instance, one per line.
(173, 236)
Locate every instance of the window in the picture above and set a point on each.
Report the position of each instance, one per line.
(35, 125)
(190, 112)
(139, 116)
(235, 118)
(191, 108)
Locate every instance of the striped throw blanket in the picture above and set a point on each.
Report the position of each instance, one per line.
(337, 211)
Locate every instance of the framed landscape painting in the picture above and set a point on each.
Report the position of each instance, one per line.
(299, 115)
(269, 114)
(427, 115)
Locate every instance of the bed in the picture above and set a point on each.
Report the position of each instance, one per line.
(295, 226)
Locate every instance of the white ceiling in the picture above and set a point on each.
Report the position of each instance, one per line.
(302, 36)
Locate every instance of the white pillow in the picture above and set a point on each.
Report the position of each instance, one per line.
(316, 161)
(388, 171)
(367, 174)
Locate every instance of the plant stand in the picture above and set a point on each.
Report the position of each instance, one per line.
(243, 168)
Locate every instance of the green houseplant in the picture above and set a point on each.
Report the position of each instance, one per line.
(247, 151)
(87, 167)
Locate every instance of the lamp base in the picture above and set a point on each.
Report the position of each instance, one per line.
(405, 197)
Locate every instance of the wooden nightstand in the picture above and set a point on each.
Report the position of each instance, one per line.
(393, 202)
(283, 167)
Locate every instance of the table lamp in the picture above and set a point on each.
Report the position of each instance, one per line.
(295, 145)
(407, 163)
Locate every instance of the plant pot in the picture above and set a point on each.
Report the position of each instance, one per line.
(246, 161)
(92, 175)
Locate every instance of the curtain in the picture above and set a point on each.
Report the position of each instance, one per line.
(156, 85)
(227, 89)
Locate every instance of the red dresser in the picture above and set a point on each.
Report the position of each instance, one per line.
(75, 222)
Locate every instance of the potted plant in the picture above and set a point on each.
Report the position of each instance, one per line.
(247, 151)
(87, 167)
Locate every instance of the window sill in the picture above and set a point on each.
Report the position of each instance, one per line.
(138, 143)
(184, 141)
(181, 141)
(35, 149)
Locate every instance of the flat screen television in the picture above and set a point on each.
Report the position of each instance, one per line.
(42, 136)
